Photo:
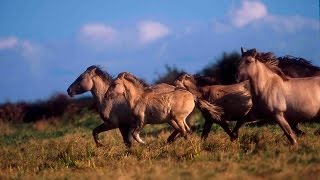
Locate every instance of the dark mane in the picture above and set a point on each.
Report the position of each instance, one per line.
(101, 73)
(181, 74)
(271, 62)
(297, 67)
(205, 80)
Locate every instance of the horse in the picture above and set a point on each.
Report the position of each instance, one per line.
(150, 107)
(114, 111)
(235, 101)
(97, 81)
(275, 95)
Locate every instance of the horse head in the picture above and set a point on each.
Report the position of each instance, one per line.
(247, 64)
(83, 83)
(183, 79)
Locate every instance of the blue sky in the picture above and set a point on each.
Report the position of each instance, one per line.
(45, 45)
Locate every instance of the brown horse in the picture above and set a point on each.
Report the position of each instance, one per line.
(150, 107)
(235, 101)
(287, 100)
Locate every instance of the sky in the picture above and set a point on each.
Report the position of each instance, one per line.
(45, 45)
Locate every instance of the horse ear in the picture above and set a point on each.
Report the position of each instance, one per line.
(255, 52)
(243, 50)
(93, 70)
(122, 75)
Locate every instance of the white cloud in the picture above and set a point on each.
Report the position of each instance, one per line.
(8, 43)
(249, 12)
(98, 32)
(30, 51)
(150, 31)
(291, 24)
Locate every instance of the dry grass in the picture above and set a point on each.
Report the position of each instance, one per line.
(66, 151)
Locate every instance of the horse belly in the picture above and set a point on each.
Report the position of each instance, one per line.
(157, 113)
(234, 105)
(302, 111)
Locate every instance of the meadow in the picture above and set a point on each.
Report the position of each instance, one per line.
(63, 148)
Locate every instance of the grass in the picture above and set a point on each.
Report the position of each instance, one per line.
(66, 150)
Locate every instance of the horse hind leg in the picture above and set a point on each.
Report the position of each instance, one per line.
(296, 130)
(174, 134)
(188, 129)
(182, 128)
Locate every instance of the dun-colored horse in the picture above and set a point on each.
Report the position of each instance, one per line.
(287, 100)
(114, 111)
(235, 101)
(150, 107)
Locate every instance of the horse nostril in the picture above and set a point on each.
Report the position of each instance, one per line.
(69, 92)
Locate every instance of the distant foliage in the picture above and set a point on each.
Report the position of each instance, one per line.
(169, 76)
(224, 69)
(12, 112)
(56, 106)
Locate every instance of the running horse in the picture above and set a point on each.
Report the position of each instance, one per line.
(275, 95)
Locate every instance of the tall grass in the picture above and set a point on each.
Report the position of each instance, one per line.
(65, 149)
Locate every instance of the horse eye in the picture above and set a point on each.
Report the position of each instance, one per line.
(248, 62)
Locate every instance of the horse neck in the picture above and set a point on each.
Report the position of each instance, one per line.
(133, 93)
(99, 90)
(194, 90)
(259, 82)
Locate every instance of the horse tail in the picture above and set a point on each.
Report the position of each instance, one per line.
(215, 111)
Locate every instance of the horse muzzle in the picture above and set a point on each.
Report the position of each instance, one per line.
(70, 92)
(241, 77)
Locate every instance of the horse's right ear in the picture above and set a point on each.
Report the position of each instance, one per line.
(243, 50)
(121, 75)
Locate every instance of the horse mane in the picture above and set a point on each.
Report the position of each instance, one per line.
(271, 63)
(205, 80)
(130, 77)
(101, 73)
(296, 65)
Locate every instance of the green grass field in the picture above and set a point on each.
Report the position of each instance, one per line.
(65, 149)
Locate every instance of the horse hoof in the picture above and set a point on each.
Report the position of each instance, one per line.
(99, 145)
(301, 134)
(233, 137)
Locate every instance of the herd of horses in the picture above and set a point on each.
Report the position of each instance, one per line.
(282, 90)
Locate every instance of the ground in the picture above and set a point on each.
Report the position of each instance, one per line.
(64, 149)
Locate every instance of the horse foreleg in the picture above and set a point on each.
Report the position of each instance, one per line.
(126, 135)
(101, 128)
(286, 128)
(135, 130)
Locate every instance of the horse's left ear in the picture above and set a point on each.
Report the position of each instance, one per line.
(243, 50)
